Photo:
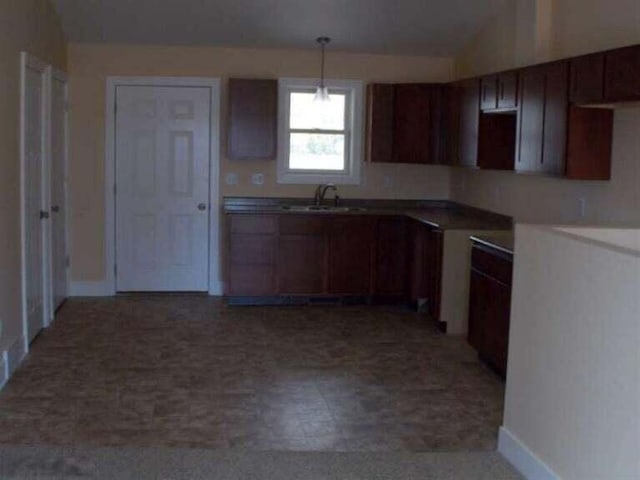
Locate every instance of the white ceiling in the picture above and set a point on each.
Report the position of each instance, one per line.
(426, 27)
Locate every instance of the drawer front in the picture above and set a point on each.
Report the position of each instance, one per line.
(253, 224)
(492, 264)
(301, 225)
(252, 249)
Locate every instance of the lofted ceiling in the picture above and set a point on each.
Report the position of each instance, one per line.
(422, 27)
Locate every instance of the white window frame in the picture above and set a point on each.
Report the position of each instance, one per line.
(354, 127)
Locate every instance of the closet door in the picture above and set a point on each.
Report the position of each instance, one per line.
(35, 212)
(59, 249)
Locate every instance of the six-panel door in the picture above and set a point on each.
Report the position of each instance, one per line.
(162, 171)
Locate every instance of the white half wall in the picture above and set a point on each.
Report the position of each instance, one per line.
(573, 382)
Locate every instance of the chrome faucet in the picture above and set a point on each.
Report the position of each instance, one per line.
(321, 191)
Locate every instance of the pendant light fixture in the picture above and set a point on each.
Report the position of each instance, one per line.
(322, 92)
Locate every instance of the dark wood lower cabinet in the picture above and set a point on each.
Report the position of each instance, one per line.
(251, 258)
(350, 252)
(426, 266)
(316, 255)
(490, 305)
(391, 259)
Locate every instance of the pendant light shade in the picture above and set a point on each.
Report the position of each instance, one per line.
(322, 92)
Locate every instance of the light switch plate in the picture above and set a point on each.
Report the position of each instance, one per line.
(257, 179)
(231, 178)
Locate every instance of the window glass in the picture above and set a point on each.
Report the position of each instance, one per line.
(305, 114)
(316, 151)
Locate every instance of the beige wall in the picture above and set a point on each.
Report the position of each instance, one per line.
(29, 25)
(577, 26)
(573, 388)
(91, 64)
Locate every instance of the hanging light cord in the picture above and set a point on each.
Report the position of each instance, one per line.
(323, 43)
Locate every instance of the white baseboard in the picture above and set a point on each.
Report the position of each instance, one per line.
(4, 371)
(523, 459)
(216, 289)
(91, 289)
(15, 354)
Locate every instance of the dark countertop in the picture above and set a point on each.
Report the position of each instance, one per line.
(500, 241)
(442, 214)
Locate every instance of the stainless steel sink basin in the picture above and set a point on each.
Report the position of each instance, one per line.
(320, 208)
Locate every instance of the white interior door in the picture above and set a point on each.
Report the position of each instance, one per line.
(35, 210)
(59, 250)
(162, 188)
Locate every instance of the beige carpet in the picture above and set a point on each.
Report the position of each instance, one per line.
(44, 463)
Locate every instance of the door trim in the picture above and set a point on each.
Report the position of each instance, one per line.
(215, 284)
(29, 61)
(55, 74)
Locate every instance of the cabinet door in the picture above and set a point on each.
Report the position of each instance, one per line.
(556, 111)
(530, 120)
(380, 99)
(622, 74)
(413, 136)
(433, 266)
(469, 91)
(426, 266)
(495, 341)
(391, 257)
(253, 115)
(449, 144)
(301, 255)
(478, 295)
(489, 92)
(251, 255)
(508, 90)
(587, 79)
(350, 252)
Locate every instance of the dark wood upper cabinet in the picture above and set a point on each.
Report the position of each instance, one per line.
(587, 79)
(589, 143)
(450, 125)
(499, 92)
(530, 120)
(622, 74)
(542, 128)
(468, 92)
(556, 139)
(252, 120)
(556, 111)
(508, 90)
(403, 123)
(489, 92)
(414, 139)
(380, 99)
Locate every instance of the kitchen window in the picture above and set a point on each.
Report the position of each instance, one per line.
(320, 142)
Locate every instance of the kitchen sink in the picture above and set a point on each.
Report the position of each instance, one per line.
(321, 208)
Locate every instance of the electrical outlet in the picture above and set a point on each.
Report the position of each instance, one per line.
(231, 178)
(582, 207)
(257, 179)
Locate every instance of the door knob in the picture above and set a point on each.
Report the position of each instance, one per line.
(44, 215)
(202, 207)
(55, 209)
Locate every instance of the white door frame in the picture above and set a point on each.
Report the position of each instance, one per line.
(55, 74)
(215, 285)
(29, 61)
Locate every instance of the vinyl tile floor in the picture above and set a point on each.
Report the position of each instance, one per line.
(190, 371)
